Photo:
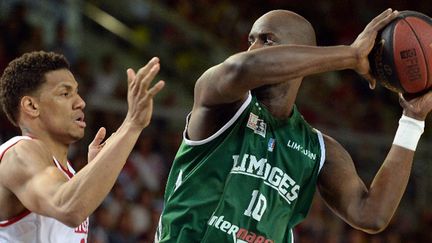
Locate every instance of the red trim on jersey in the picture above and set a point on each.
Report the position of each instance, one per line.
(14, 219)
(65, 170)
(69, 173)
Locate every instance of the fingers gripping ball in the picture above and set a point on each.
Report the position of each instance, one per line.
(401, 59)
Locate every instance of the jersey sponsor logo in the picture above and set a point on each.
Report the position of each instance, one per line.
(272, 176)
(257, 125)
(83, 228)
(239, 235)
(295, 146)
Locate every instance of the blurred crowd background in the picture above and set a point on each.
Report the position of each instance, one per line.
(101, 38)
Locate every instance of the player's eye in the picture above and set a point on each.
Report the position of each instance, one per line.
(269, 41)
(250, 41)
(266, 39)
(65, 94)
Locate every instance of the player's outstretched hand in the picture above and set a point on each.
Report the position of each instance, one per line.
(365, 42)
(140, 95)
(418, 107)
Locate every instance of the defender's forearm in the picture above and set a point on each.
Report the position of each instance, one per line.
(88, 188)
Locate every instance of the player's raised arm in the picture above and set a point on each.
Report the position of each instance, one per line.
(229, 81)
(371, 209)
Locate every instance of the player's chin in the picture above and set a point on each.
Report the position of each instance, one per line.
(77, 135)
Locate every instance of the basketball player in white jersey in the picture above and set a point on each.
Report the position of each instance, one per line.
(41, 197)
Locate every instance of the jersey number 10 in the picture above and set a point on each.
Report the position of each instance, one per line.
(257, 206)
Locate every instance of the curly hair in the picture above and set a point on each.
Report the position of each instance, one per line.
(24, 76)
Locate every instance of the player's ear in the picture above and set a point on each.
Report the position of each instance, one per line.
(29, 106)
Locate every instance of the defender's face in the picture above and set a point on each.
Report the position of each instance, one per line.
(61, 107)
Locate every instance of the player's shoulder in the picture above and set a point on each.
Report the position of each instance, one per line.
(22, 160)
(26, 151)
(329, 140)
(334, 150)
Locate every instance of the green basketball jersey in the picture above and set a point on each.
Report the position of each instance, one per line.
(252, 181)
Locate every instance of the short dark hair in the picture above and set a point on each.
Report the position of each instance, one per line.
(25, 75)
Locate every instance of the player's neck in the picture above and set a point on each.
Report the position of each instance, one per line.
(58, 149)
(278, 99)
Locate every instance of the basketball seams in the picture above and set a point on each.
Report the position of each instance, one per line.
(424, 54)
(389, 77)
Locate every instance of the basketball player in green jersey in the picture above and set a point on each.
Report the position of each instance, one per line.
(249, 164)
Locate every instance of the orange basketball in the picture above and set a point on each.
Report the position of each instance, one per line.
(401, 59)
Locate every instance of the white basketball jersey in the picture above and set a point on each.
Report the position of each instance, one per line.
(34, 228)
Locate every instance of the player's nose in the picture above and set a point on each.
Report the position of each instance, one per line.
(255, 45)
(80, 103)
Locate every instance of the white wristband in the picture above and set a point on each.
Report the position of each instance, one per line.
(409, 132)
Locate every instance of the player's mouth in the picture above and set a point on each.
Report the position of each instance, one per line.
(80, 121)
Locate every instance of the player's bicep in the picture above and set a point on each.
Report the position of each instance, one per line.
(338, 183)
(38, 193)
(33, 178)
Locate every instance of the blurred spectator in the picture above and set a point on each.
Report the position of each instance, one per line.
(61, 44)
(101, 225)
(35, 42)
(355, 236)
(116, 202)
(82, 71)
(123, 230)
(106, 79)
(4, 59)
(16, 30)
(148, 163)
(141, 213)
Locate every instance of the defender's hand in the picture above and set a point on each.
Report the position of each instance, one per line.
(365, 42)
(140, 97)
(96, 145)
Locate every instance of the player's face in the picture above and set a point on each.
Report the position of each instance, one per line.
(269, 30)
(280, 27)
(61, 107)
(262, 35)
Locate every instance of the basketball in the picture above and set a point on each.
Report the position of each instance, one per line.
(401, 59)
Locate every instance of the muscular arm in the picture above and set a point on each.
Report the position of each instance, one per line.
(29, 172)
(368, 209)
(229, 81)
(221, 90)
